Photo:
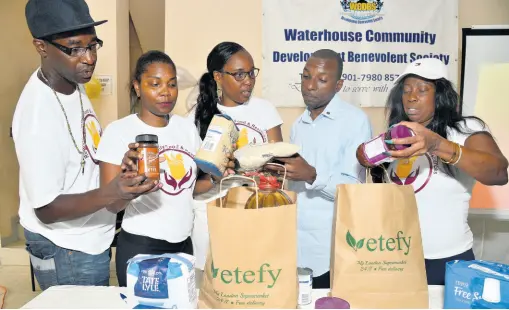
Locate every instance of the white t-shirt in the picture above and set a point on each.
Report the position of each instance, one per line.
(443, 201)
(166, 214)
(50, 165)
(253, 119)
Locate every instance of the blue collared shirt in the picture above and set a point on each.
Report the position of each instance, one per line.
(329, 144)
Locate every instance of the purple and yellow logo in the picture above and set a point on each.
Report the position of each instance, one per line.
(178, 171)
(415, 171)
(249, 134)
(92, 135)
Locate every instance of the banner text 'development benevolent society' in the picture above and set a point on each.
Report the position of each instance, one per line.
(376, 40)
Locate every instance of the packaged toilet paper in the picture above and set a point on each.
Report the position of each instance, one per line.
(476, 284)
(161, 281)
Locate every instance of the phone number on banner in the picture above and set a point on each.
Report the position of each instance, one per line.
(370, 77)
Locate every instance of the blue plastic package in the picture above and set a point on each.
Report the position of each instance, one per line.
(476, 284)
(161, 281)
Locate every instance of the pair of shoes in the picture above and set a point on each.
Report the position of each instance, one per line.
(3, 292)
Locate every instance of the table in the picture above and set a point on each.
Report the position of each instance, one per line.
(102, 297)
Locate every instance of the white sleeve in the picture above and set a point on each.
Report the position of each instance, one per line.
(470, 127)
(270, 115)
(112, 147)
(43, 154)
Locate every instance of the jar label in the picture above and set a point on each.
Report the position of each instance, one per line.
(149, 163)
(375, 147)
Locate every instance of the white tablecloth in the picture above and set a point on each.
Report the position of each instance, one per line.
(94, 297)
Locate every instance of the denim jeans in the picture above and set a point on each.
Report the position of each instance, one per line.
(54, 265)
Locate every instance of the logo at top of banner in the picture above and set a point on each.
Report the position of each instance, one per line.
(361, 11)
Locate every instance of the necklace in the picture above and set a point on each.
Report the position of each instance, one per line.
(82, 151)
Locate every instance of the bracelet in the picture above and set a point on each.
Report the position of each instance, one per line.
(459, 157)
(455, 154)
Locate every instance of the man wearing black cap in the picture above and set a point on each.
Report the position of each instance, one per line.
(68, 226)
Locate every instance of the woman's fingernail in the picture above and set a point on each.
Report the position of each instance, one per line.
(389, 141)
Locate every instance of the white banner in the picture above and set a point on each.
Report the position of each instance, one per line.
(376, 39)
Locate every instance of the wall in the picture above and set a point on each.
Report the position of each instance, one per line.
(135, 50)
(149, 23)
(17, 41)
(113, 57)
(486, 12)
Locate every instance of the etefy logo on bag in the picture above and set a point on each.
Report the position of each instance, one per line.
(361, 11)
(382, 244)
(263, 275)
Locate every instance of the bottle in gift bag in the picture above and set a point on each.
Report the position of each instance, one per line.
(373, 153)
(269, 192)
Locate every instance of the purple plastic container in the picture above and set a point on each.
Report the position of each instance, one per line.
(374, 149)
(331, 303)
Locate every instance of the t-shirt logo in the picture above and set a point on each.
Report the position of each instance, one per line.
(249, 134)
(415, 171)
(92, 134)
(178, 170)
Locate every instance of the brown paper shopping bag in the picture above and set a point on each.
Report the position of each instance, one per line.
(377, 259)
(252, 259)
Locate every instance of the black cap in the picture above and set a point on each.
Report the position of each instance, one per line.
(146, 138)
(48, 17)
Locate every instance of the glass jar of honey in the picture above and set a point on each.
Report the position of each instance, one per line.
(148, 164)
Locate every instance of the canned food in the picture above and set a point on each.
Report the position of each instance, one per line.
(305, 285)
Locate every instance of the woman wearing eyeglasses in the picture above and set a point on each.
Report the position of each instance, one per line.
(226, 88)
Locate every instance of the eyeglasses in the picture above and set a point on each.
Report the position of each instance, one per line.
(78, 51)
(241, 75)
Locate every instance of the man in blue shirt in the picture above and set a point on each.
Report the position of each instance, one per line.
(328, 133)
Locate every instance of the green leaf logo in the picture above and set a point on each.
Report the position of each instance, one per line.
(351, 240)
(360, 243)
(353, 243)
